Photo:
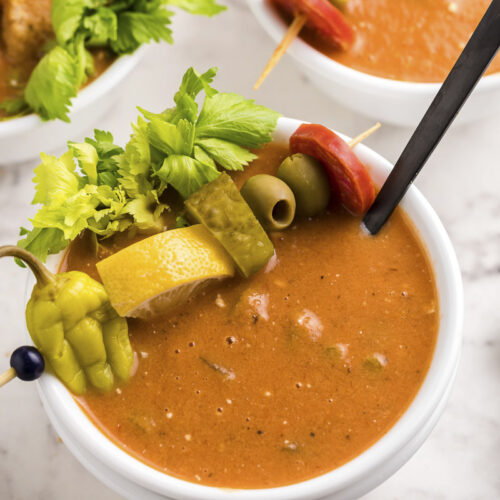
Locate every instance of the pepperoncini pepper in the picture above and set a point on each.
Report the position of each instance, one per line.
(73, 324)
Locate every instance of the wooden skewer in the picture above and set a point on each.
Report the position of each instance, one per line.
(7, 376)
(292, 31)
(361, 137)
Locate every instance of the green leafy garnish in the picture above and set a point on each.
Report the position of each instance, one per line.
(192, 144)
(103, 188)
(121, 26)
(53, 83)
(203, 7)
(138, 27)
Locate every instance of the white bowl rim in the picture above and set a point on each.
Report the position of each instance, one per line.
(309, 56)
(94, 90)
(434, 387)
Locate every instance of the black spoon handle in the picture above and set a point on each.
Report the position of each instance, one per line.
(455, 90)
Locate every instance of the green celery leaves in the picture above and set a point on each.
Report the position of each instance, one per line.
(121, 26)
(186, 174)
(203, 7)
(227, 154)
(194, 144)
(52, 85)
(232, 117)
(98, 186)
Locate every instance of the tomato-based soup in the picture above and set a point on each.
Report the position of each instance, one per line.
(281, 377)
(410, 40)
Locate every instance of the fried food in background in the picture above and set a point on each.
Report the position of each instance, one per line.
(26, 26)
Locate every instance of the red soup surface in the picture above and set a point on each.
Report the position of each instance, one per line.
(410, 40)
(284, 376)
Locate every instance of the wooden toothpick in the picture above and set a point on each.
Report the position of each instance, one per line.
(292, 31)
(7, 376)
(361, 137)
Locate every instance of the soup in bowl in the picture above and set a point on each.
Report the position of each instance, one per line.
(399, 54)
(320, 374)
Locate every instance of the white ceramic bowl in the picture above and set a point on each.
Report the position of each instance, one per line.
(22, 139)
(135, 480)
(385, 100)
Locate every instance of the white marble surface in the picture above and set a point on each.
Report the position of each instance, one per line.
(461, 459)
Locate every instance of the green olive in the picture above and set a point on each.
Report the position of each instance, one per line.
(271, 200)
(309, 182)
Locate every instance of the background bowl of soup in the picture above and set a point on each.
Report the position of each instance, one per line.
(133, 478)
(383, 95)
(22, 139)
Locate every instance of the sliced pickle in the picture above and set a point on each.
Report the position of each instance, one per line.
(220, 207)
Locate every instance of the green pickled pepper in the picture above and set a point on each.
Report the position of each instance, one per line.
(74, 326)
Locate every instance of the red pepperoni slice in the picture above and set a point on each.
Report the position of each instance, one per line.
(349, 178)
(322, 17)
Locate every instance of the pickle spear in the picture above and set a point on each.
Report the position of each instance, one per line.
(220, 207)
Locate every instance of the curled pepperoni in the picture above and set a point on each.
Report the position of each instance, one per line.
(349, 178)
(324, 18)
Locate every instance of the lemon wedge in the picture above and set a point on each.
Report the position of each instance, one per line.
(154, 275)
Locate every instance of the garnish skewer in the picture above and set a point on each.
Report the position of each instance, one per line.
(290, 35)
(7, 376)
(349, 179)
(26, 362)
(323, 16)
(364, 135)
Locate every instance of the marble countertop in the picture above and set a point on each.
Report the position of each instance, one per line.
(461, 459)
